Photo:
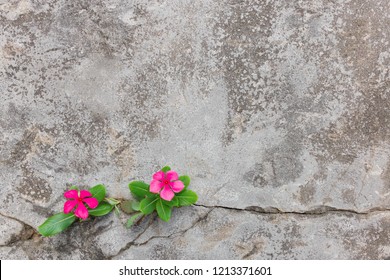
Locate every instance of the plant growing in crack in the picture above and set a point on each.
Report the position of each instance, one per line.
(166, 191)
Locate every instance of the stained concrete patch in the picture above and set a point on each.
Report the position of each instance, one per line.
(278, 111)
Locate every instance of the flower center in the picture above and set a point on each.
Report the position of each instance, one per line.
(80, 199)
(166, 182)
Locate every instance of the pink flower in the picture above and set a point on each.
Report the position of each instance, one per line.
(167, 184)
(77, 199)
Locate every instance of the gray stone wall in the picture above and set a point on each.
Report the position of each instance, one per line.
(278, 110)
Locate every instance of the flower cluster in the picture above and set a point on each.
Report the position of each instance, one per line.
(166, 190)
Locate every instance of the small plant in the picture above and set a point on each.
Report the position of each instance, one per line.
(166, 190)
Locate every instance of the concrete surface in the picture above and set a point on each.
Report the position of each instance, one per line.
(278, 110)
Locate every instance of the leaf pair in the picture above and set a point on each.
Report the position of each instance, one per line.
(151, 203)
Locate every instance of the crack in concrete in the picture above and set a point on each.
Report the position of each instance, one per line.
(16, 219)
(25, 234)
(322, 210)
(134, 243)
(252, 252)
(204, 217)
(28, 232)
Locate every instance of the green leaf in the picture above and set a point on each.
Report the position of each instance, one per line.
(186, 180)
(74, 188)
(98, 192)
(139, 189)
(135, 205)
(103, 209)
(165, 169)
(57, 223)
(133, 219)
(186, 197)
(163, 210)
(127, 206)
(148, 204)
(175, 201)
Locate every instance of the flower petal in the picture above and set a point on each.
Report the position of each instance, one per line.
(85, 193)
(167, 193)
(81, 211)
(160, 175)
(72, 194)
(91, 202)
(69, 205)
(155, 186)
(172, 175)
(177, 186)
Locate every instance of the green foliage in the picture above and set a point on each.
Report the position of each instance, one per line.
(98, 192)
(103, 209)
(145, 203)
(165, 169)
(186, 180)
(139, 189)
(57, 223)
(135, 205)
(163, 210)
(186, 198)
(175, 201)
(148, 204)
(172, 203)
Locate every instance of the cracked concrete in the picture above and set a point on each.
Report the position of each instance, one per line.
(227, 234)
(278, 110)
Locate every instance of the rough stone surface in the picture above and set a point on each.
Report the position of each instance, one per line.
(278, 110)
(8, 230)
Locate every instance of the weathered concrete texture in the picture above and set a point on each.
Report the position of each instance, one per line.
(227, 234)
(8, 229)
(278, 110)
